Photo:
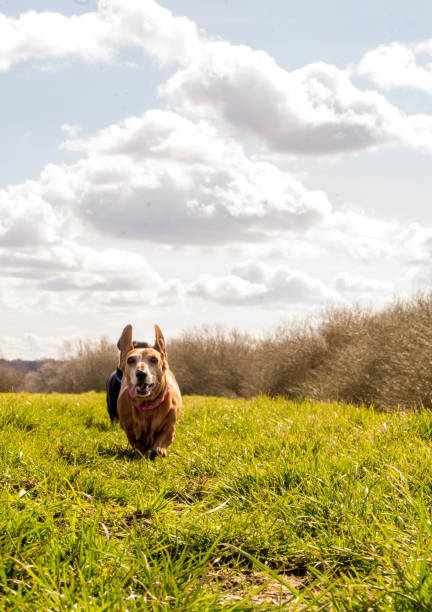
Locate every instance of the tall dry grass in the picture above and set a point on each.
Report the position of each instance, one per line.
(351, 354)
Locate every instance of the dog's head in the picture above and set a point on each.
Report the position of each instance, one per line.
(143, 368)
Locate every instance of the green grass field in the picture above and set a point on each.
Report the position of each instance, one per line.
(260, 504)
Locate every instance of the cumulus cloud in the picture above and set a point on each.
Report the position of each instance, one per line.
(97, 36)
(182, 177)
(228, 289)
(261, 284)
(254, 283)
(52, 35)
(161, 177)
(398, 65)
(153, 28)
(71, 276)
(313, 110)
(165, 178)
(26, 218)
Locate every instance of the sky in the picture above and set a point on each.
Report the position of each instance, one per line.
(193, 163)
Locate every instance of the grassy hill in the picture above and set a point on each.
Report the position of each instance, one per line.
(260, 504)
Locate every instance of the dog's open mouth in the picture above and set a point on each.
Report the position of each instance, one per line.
(142, 389)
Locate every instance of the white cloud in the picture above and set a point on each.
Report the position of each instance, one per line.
(397, 65)
(33, 346)
(26, 219)
(164, 178)
(72, 130)
(424, 48)
(228, 289)
(52, 35)
(261, 284)
(153, 28)
(254, 283)
(358, 285)
(359, 234)
(97, 36)
(71, 277)
(183, 177)
(313, 110)
(372, 239)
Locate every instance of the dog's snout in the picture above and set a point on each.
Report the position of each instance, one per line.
(141, 374)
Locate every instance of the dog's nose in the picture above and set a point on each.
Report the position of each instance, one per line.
(141, 375)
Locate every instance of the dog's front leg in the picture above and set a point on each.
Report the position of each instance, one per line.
(165, 436)
(130, 436)
(136, 443)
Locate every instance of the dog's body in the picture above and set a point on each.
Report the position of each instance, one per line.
(150, 401)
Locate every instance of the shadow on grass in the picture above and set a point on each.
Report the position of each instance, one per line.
(126, 454)
(89, 423)
(121, 453)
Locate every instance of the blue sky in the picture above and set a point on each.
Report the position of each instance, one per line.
(193, 163)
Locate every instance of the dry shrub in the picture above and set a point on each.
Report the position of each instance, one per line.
(211, 361)
(355, 355)
(381, 358)
(389, 361)
(289, 360)
(406, 355)
(345, 372)
(85, 367)
(11, 379)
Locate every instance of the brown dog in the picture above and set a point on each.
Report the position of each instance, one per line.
(149, 402)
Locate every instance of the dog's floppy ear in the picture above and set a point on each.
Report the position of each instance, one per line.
(125, 344)
(160, 341)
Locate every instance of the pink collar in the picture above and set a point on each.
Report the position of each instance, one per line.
(153, 406)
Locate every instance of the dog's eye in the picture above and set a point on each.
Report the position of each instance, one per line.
(131, 360)
(153, 359)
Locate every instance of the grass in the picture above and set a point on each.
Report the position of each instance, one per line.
(260, 504)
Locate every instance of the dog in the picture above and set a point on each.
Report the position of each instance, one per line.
(113, 385)
(150, 401)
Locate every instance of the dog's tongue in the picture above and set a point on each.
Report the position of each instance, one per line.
(133, 392)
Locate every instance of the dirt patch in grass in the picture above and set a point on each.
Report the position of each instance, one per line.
(255, 588)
